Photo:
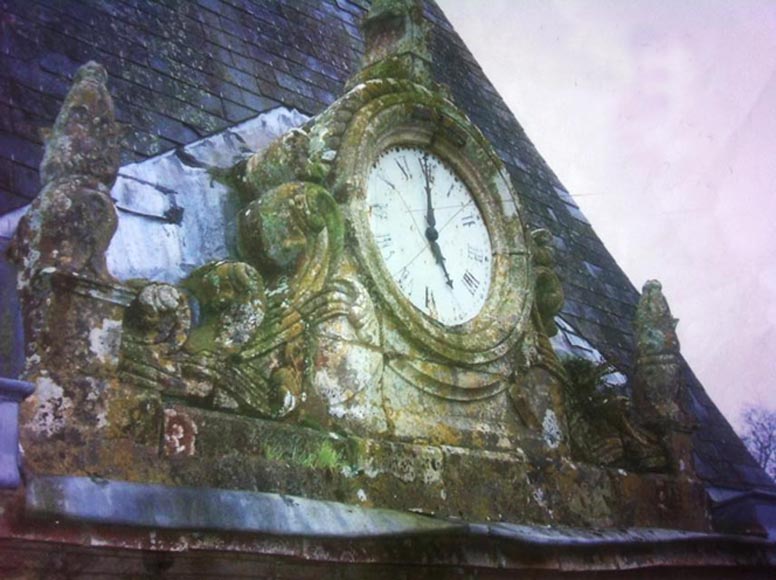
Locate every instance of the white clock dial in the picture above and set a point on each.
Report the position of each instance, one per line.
(430, 234)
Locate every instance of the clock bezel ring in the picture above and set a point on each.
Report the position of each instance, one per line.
(400, 121)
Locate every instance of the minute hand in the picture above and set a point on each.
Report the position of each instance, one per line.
(437, 251)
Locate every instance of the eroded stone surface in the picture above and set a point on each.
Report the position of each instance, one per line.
(291, 364)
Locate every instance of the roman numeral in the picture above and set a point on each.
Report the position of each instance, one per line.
(383, 240)
(468, 220)
(379, 211)
(404, 276)
(471, 282)
(404, 167)
(388, 183)
(476, 254)
(430, 302)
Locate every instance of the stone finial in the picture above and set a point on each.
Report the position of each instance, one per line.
(72, 221)
(549, 290)
(84, 140)
(655, 326)
(396, 39)
(657, 377)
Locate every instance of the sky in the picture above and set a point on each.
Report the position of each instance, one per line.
(659, 116)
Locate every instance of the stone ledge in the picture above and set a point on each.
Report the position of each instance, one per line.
(97, 501)
(185, 525)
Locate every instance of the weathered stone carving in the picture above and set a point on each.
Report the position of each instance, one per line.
(658, 363)
(549, 290)
(72, 221)
(232, 303)
(306, 325)
(601, 429)
(658, 381)
(261, 349)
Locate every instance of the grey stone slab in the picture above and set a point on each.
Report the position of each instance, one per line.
(97, 501)
(12, 392)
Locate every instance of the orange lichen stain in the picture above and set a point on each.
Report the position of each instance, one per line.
(180, 433)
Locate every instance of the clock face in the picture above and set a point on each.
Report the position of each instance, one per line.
(430, 234)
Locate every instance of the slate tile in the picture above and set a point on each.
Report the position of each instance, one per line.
(5, 118)
(236, 113)
(6, 172)
(258, 103)
(25, 125)
(20, 150)
(241, 79)
(25, 180)
(10, 200)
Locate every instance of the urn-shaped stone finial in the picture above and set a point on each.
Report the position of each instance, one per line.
(658, 379)
(655, 326)
(84, 140)
(72, 221)
(658, 364)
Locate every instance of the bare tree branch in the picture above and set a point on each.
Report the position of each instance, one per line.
(759, 436)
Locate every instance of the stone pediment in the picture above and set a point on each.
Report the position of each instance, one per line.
(268, 343)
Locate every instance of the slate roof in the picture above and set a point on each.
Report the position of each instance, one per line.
(183, 70)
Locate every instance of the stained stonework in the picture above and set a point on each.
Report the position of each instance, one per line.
(293, 363)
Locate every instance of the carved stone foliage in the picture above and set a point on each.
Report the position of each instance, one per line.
(602, 429)
(72, 221)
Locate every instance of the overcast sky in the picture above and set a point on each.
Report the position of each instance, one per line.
(660, 118)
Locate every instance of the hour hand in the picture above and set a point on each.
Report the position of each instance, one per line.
(440, 259)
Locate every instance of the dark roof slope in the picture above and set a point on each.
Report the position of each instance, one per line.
(183, 70)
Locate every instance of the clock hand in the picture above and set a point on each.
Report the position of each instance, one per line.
(437, 251)
(431, 232)
(430, 219)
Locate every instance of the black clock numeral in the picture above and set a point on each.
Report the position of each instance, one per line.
(476, 254)
(404, 167)
(403, 277)
(471, 282)
(388, 183)
(449, 191)
(430, 302)
(383, 241)
(379, 211)
(468, 220)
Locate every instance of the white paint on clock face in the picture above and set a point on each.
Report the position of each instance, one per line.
(430, 234)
